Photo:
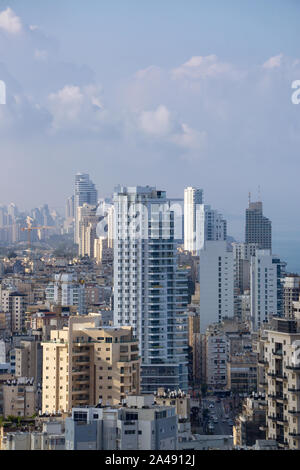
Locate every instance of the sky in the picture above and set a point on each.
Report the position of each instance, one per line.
(168, 93)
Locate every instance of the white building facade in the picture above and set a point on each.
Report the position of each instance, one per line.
(266, 287)
(150, 292)
(216, 283)
(192, 198)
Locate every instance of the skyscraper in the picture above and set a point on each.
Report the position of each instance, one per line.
(210, 226)
(85, 192)
(150, 292)
(258, 227)
(266, 287)
(87, 225)
(216, 283)
(70, 212)
(192, 198)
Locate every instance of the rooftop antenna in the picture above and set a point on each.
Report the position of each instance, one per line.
(249, 197)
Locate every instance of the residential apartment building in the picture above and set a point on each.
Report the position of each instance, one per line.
(87, 220)
(102, 252)
(85, 193)
(291, 293)
(19, 397)
(13, 304)
(242, 372)
(137, 425)
(28, 360)
(242, 253)
(216, 283)
(67, 290)
(217, 354)
(150, 292)
(192, 198)
(279, 377)
(266, 287)
(250, 424)
(85, 364)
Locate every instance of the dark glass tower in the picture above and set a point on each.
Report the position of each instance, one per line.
(258, 227)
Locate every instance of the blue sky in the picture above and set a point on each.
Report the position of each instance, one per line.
(168, 93)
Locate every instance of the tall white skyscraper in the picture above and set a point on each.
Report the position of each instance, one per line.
(150, 292)
(192, 198)
(85, 192)
(216, 283)
(266, 287)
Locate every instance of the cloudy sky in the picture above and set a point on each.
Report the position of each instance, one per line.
(168, 93)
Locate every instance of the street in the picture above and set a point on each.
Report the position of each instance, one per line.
(220, 415)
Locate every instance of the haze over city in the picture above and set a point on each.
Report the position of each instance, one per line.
(152, 93)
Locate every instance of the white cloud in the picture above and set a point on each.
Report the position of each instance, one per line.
(75, 107)
(9, 22)
(156, 122)
(190, 139)
(199, 67)
(273, 62)
(161, 125)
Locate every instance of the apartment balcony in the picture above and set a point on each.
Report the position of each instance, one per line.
(82, 362)
(79, 391)
(80, 371)
(262, 362)
(295, 368)
(278, 418)
(82, 380)
(277, 397)
(262, 383)
(294, 390)
(277, 375)
(295, 435)
(294, 412)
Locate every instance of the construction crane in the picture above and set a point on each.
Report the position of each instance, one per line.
(29, 229)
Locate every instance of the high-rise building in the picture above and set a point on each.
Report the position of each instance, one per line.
(85, 192)
(66, 290)
(13, 305)
(110, 227)
(150, 292)
(216, 283)
(192, 198)
(85, 364)
(279, 378)
(291, 293)
(242, 253)
(70, 207)
(210, 226)
(266, 287)
(87, 220)
(258, 228)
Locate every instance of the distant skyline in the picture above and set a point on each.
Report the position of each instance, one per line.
(171, 94)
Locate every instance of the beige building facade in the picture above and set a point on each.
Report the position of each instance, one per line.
(84, 364)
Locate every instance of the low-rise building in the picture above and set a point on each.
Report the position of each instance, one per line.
(137, 425)
(19, 397)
